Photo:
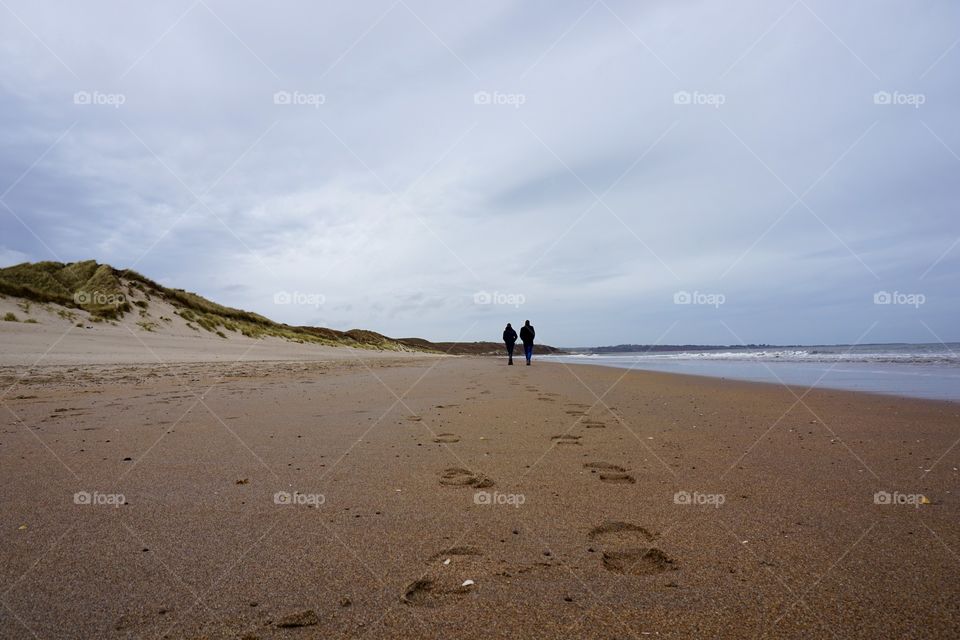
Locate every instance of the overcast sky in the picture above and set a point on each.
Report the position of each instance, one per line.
(438, 169)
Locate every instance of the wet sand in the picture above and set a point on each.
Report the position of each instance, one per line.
(355, 497)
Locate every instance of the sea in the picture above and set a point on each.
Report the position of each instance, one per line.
(914, 370)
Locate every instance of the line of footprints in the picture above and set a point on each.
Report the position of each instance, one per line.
(624, 548)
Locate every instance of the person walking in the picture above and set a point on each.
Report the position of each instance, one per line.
(526, 336)
(510, 339)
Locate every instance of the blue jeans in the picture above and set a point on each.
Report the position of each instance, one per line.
(528, 351)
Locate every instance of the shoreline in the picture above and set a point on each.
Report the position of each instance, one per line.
(937, 394)
(562, 511)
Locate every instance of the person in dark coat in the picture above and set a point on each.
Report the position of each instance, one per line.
(509, 339)
(526, 336)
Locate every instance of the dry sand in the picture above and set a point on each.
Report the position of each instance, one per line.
(59, 335)
(389, 457)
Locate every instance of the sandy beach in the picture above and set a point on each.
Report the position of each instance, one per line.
(262, 265)
(356, 497)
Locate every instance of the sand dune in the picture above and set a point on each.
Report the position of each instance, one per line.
(61, 336)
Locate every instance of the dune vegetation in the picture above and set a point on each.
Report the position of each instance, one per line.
(108, 294)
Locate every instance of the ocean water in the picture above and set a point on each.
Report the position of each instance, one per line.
(914, 370)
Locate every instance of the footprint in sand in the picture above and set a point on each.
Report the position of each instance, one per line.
(414, 418)
(617, 477)
(590, 423)
(566, 439)
(575, 412)
(454, 553)
(638, 562)
(443, 581)
(446, 438)
(621, 534)
(610, 473)
(627, 549)
(603, 466)
(458, 477)
(545, 399)
(422, 593)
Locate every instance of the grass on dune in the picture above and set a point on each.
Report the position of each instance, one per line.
(105, 293)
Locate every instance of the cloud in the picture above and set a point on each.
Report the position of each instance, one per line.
(593, 158)
(10, 257)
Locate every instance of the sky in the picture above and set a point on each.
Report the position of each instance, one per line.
(757, 171)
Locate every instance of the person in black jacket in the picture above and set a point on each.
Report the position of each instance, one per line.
(526, 336)
(509, 339)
